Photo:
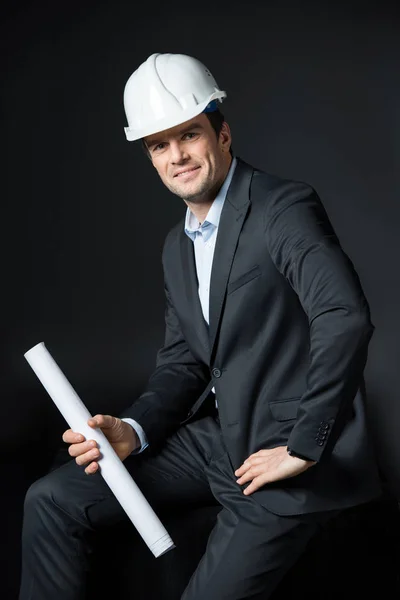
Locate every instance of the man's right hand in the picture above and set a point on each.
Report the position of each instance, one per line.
(122, 437)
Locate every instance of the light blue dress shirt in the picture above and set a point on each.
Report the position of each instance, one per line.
(204, 236)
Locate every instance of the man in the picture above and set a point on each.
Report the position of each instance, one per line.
(257, 400)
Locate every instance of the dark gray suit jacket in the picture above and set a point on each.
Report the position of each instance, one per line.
(286, 347)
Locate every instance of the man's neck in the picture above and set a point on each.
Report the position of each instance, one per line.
(200, 211)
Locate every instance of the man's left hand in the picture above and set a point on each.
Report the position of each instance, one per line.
(266, 466)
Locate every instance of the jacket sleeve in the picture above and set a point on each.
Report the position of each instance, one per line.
(174, 386)
(307, 252)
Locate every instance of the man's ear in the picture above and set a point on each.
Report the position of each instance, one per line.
(225, 137)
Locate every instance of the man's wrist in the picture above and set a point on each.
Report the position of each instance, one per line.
(139, 433)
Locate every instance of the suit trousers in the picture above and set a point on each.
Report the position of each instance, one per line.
(249, 549)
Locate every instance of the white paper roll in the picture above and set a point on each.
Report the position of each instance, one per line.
(111, 467)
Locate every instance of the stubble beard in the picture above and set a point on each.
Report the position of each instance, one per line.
(200, 195)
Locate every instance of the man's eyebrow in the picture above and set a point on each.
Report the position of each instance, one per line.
(156, 141)
(195, 125)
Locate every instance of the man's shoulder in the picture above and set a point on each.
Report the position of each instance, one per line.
(274, 193)
(265, 181)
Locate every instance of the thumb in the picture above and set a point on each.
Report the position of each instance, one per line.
(103, 421)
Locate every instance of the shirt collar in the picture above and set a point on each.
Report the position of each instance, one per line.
(192, 226)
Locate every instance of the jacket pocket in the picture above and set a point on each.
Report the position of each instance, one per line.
(284, 410)
(245, 278)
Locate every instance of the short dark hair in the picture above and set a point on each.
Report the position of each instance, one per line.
(216, 119)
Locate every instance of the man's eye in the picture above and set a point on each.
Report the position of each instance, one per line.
(190, 134)
(159, 147)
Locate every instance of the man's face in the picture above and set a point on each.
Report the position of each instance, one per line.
(189, 158)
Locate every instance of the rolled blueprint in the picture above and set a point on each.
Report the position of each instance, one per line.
(111, 467)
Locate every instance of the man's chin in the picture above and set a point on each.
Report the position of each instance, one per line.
(189, 192)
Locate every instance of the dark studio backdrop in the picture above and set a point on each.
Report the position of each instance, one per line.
(313, 94)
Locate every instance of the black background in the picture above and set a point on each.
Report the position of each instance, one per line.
(313, 94)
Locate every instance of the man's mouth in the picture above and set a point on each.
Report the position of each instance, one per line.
(184, 172)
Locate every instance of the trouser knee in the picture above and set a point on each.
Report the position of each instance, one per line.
(45, 502)
(39, 516)
(38, 494)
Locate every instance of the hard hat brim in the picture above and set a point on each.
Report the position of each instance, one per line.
(169, 122)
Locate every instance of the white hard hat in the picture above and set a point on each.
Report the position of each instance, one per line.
(165, 91)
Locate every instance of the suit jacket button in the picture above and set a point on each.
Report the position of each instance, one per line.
(216, 373)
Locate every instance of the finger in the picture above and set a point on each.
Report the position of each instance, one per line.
(263, 453)
(245, 467)
(256, 484)
(79, 449)
(250, 489)
(103, 421)
(92, 468)
(248, 464)
(242, 470)
(255, 455)
(248, 459)
(72, 437)
(95, 421)
(251, 473)
(84, 459)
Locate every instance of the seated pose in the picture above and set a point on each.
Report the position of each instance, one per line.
(257, 402)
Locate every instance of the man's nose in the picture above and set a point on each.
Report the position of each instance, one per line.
(178, 154)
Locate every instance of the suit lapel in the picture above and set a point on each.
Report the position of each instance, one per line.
(232, 218)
